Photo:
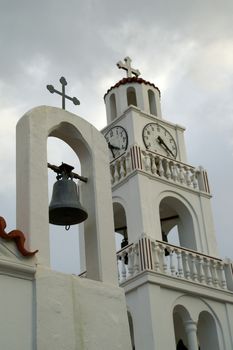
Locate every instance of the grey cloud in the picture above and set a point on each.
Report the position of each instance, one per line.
(169, 41)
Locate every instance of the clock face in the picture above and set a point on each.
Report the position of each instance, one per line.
(117, 140)
(157, 139)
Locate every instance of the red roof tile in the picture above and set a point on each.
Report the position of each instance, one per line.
(16, 236)
(132, 80)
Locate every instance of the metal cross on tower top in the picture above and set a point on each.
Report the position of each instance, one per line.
(64, 96)
(128, 68)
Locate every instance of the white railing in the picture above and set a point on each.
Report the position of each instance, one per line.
(158, 166)
(177, 262)
(170, 169)
(120, 168)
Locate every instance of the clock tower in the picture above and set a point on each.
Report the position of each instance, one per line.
(173, 290)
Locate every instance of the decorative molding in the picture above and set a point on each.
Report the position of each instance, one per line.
(136, 159)
(17, 236)
(17, 269)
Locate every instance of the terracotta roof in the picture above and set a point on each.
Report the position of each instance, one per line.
(132, 80)
(16, 236)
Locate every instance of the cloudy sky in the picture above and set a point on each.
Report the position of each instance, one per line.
(185, 47)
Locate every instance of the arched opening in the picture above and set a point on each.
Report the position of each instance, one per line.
(131, 329)
(131, 96)
(177, 223)
(64, 245)
(152, 103)
(120, 226)
(207, 332)
(33, 130)
(113, 107)
(180, 315)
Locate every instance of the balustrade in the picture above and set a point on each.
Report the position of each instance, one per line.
(171, 170)
(163, 167)
(120, 168)
(173, 261)
(128, 262)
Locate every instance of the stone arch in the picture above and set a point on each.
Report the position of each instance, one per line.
(113, 107)
(207, 332)
(207, 310)
(32, 132)
(195, 307)
(152, 102)
(180, 316)
(131, 96)
(175, 210)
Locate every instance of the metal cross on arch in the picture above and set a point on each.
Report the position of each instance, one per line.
(62, 93)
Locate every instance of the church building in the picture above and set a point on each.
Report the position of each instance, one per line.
(166, 287)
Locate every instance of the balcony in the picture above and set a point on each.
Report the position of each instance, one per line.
(161, 167)
(179, 263)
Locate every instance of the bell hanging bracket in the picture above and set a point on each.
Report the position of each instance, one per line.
(65, 170)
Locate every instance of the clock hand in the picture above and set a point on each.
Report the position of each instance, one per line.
(161, 142)
(115, 147)
(110, 146)
(111, 149)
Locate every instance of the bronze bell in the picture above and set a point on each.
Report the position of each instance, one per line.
(65, 208)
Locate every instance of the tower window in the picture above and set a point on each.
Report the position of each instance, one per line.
(113, 106)
(131, 96)
(152, 103)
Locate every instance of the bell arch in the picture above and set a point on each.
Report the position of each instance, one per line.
(131, 96)
(175, 215)
(65, 253)
(32, 132)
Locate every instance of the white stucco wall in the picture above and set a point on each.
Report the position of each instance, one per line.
(16, 316)
(77, 313)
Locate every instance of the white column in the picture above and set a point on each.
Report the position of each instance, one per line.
(191, 332)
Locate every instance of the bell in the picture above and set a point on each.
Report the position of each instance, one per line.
(65, 208)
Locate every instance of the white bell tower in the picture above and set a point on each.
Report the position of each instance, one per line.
(175, 291)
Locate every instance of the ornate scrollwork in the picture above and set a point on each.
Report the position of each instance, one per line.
(17, 236)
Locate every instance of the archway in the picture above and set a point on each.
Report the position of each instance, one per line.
(64, 245)
(207, 332)
(180, 315)
(120, 226)
(32, 132)
(176, 218)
